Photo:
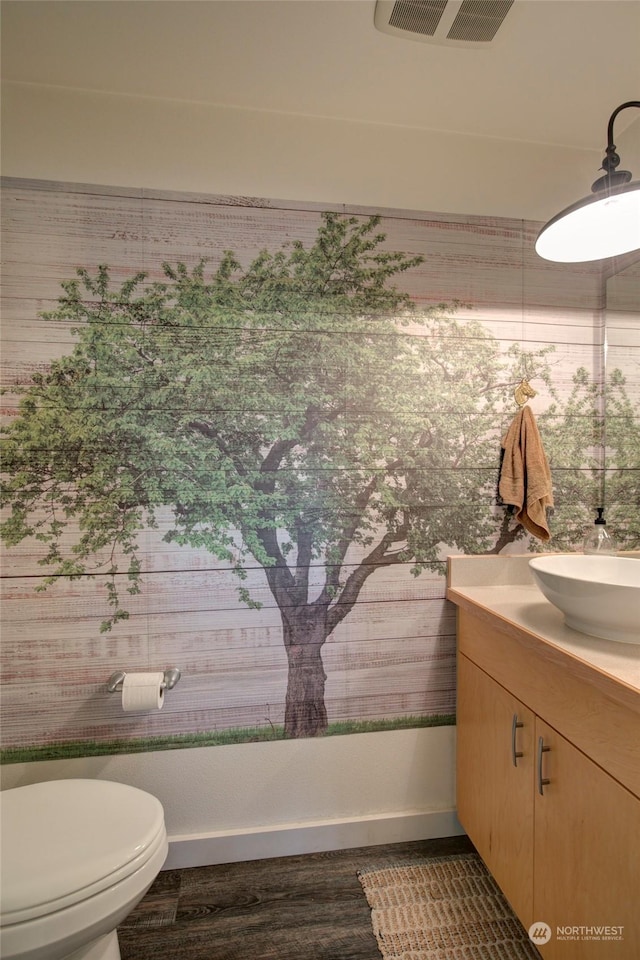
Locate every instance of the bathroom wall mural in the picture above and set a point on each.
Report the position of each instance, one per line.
(242, 436)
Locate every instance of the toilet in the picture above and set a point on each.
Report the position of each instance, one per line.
(77, 856)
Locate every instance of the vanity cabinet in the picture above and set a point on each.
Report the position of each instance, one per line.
(495, 743)
(547, 790)
(586, 852)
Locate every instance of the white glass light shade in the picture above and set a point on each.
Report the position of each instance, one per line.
(595, 228)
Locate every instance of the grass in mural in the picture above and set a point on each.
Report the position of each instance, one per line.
(94, 748)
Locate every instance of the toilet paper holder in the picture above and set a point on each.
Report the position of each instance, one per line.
(171, 677)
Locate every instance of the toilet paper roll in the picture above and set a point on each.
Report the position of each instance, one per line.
(142, 691)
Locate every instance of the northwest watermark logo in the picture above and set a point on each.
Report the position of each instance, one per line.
(540, 932)
(601, 931)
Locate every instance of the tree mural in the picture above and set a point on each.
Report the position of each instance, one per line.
(301, 411)
(622, 436)
(593, 441)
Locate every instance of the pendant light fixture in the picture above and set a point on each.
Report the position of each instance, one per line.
(606, 224)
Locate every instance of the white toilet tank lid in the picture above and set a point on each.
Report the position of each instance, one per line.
(65, 840)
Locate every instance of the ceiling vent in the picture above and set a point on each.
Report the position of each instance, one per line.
(461, 23)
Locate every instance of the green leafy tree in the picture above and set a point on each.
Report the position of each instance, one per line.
(289, 412)
(621, 481)
(593, 443)
(572, 438)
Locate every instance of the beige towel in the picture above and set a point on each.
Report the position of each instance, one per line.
(525, 478)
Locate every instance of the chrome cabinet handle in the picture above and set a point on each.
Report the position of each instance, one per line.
(515, 723)
(542, 782)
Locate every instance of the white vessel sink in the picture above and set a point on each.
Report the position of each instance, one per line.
(599, 596)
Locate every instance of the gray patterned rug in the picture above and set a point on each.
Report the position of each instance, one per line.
(444, 908)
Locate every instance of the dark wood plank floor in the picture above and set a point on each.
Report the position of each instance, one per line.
(308, 907)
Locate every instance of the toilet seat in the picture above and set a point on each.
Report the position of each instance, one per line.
(66, 840)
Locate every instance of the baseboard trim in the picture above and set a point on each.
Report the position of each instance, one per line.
(259, 843)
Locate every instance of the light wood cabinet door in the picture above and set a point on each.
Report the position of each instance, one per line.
(494, 793)
(587, 855)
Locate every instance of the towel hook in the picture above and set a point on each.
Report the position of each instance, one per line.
(523, 392)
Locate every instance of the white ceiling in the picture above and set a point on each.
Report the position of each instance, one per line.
(554, 74)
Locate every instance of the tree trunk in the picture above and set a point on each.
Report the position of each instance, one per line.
(506, 533)
(305, 712)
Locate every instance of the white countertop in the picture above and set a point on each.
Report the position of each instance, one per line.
(503, 586)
